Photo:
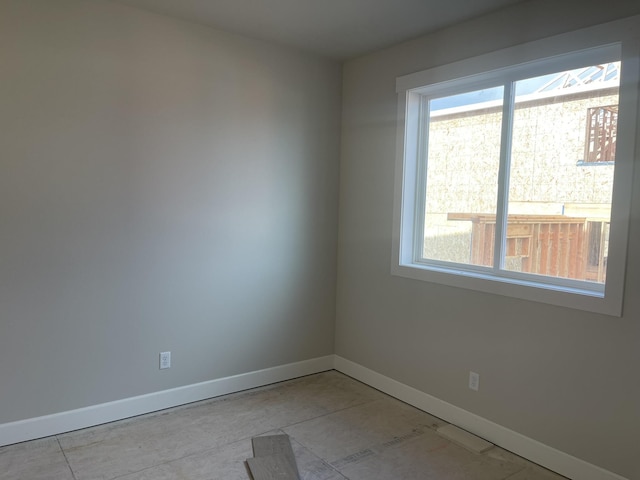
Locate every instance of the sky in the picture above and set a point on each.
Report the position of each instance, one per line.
(523, 87)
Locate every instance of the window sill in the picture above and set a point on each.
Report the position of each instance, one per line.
(525, 289)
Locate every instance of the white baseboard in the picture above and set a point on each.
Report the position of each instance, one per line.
(537, 452)
(54, 424)
(526, 447)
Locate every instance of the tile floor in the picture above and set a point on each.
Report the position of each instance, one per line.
(339, 429)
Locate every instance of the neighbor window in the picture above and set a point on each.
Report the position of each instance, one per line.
(602, 124)
(489, 194)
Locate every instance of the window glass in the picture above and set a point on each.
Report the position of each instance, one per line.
(558, 209)
(602, 126)
(462, 173)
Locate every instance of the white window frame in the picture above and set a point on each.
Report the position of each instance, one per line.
(552, 54)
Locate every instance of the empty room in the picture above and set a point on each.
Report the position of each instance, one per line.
(337, 240)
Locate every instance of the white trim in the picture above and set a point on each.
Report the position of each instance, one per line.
(56, 423)
(531, 449)
(595, 36)
(563, 463)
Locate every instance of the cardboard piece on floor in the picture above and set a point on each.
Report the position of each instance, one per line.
(272, 467)
(464, 438)
(280, 461)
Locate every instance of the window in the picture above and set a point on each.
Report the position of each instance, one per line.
(488, 192)
(602, 124)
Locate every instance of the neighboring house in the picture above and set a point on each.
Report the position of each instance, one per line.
(561, 174)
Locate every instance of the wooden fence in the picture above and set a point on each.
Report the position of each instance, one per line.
(554, 245)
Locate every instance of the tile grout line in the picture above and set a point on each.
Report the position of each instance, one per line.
(524, 467)
(64, 454)
(143, 469)
(173, 460)
(378, 448)
(515, 473)
(325, 414)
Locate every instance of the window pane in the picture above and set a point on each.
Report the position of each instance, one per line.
(463, 152)
(561, 178)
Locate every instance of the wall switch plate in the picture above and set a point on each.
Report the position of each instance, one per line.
(165, 360)
(474, 381)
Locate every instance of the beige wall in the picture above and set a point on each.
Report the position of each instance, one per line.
(564, 377)
(163, 186)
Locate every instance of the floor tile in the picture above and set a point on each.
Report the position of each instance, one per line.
(312, 467)
(135, 446)
(35, 460)
(318, 395)
(226, 462)
(417, 459)
(530, 471)
(387, 439)
(337, 436)
(340, 429)
(125, 447)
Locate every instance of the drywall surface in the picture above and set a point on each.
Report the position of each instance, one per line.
(564, 377)
(163, 187)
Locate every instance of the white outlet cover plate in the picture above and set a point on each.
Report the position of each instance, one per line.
(165, 360)
(474, 381)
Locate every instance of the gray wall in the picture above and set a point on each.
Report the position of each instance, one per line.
(163, 186)
(564, 377)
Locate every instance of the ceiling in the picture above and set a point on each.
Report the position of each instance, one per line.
(338, 29)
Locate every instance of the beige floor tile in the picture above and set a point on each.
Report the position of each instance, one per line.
(530, 471)
(226, 462)
(387, 439)
(416, 459)
(535, 472)
(152, 442)
(327, 392)
(36, 460)
(340, 429)
(312, 467)
(338, 436)
(125, 447)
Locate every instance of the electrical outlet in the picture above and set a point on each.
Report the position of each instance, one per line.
(474, 381)
(165, 360)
